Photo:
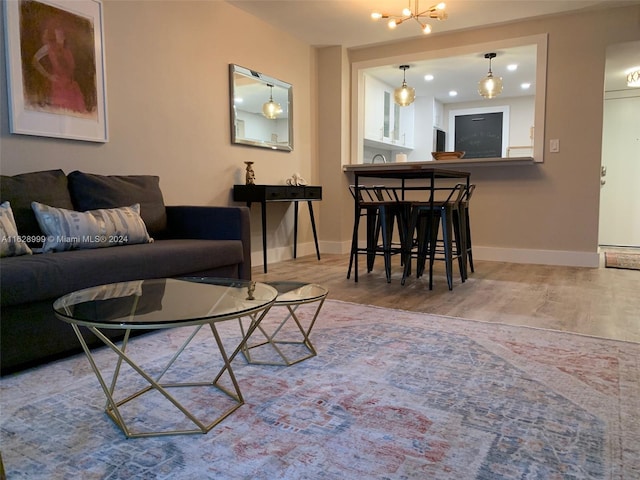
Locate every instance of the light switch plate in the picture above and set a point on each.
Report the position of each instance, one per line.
(554, 145)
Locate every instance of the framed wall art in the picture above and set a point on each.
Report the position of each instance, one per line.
(56, 69)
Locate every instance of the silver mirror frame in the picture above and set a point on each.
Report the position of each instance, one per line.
(282, 89)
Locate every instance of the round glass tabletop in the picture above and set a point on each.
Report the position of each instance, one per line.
(164, 303)
(291, 293)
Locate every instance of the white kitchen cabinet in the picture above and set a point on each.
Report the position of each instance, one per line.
(385, 122)
(407, 126)
(374, 109)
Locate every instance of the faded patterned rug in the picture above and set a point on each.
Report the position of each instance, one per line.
(391, 395)
(627, 261)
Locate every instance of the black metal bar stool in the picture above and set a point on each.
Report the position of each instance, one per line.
(382, 209)
(463, 218)
(424, 226)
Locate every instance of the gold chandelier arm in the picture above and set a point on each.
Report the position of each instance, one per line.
(435, 11)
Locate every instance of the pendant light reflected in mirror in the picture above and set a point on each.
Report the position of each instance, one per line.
(271, 109)
(490, 86)
(404, 95)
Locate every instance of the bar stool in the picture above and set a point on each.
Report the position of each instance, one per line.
(426, 218)
(382, 209)
(464, 222)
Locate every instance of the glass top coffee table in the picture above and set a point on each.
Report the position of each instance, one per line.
(163, 304)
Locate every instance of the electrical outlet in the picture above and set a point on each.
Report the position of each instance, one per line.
(554, 145)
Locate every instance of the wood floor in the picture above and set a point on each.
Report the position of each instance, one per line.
(602, 302)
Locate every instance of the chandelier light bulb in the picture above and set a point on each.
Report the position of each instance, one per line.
(426, 29)
(406, 12)
(376, 16)
(394, 23)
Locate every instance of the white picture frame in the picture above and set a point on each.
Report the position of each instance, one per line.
(56, 69)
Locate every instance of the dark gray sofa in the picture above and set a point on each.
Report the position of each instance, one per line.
(188, 240)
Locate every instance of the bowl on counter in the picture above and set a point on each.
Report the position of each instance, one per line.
(447, 155)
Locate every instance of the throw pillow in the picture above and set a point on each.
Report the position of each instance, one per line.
(71, 230)
(11, 244)
(48, 187)
(90, 191)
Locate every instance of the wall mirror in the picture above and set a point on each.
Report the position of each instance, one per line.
(447, 100)
(261, 110)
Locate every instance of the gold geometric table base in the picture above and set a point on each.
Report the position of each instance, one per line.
(284, 356)
(113, 407)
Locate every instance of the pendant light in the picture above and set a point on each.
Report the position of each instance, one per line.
(633, 78)
(490, 86)
(404, 95)
(271, 109)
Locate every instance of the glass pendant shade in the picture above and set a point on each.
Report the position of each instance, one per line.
(404, 95)
(271, 109)
(490, 86)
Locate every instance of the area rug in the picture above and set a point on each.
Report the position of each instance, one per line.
(390, 395)
(628, 261)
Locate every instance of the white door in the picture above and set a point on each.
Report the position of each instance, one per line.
(620, 193)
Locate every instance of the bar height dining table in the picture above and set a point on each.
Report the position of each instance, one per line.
(403, 173)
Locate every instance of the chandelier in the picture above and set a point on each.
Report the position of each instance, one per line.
(490, 86)
(271, 109)
(435, 11)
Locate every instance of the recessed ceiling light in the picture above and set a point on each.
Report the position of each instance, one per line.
(428, 77)
(525, 85)
(453, 93)
(512, 68)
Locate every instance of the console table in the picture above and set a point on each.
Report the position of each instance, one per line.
(280, 193)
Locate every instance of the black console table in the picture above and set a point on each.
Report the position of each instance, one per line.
(280, 193)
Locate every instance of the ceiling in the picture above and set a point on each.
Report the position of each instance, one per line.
(461, 74)
(348, 23)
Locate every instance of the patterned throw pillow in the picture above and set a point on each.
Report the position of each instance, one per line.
(107, 227)
(11, 244)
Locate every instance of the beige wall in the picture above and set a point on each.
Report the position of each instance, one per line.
(543, 213)
(168, 107)
(167, 80)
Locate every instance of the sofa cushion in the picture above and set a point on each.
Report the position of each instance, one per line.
(105, 227)
(91, 192)
(48, 187)
(48, 276)
(11, 244)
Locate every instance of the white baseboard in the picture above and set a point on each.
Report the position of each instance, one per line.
(493, 254)
(279, 254)
(541, 257)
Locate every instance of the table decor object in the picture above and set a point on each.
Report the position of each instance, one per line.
(447, 155)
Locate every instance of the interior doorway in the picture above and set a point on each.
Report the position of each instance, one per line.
(619, 224)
